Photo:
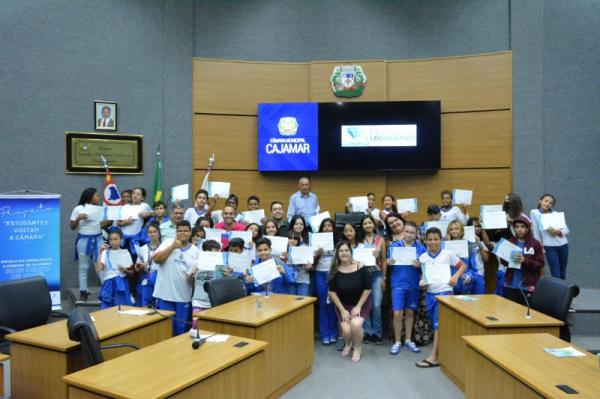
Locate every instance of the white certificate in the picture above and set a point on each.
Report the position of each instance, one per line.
(265, 271)
(120, 257)
(407, 205)
(213, 234)
(359, 204)
(506, 250)
(322, 240)
(180, 193)
(278, 244)
(93, 212)
(470, 233)
(208, 260)
(462, 197)
(436, 273)
(403, 256)
(219, 188)
(143, 253)
(216, 216)
(112, 212)
(315, 221)
(440, 224)
(239, 262)
(300, 255)
(254, 216)
(556, 220)
(130, 212)
(244, 235)
(489, 208)
(365, 256)
(494, 220)
(458, 247)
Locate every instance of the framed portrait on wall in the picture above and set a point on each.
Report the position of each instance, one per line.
(105, 115)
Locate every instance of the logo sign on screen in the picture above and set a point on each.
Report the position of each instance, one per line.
(288, 137)
(379, 136)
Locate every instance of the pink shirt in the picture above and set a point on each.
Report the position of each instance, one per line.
(236, 226)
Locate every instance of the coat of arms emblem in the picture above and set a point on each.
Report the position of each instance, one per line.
(348, 80)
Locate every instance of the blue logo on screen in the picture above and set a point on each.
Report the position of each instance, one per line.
(288, 137)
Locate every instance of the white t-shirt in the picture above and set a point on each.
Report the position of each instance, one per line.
(542, 235)
(192, 215)
(453, 214)
(86, 226)
(171, 279)
(325, 260)
(110, 270)
(444, 257)
(136, 226)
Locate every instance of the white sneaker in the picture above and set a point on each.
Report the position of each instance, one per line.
(395, 349)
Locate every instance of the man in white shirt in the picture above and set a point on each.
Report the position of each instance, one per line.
(303, 202)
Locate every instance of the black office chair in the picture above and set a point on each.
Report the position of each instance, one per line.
(81, 329)
(223, 290)
(553, 297)
(24, 304)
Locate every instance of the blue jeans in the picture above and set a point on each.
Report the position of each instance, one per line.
(84, 260)
(301, 289)
(328, 322)
(373, 322)
(557, 258)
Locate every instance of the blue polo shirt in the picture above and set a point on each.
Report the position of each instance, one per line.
(303, 205)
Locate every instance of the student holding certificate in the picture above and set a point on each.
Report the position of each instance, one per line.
(200, 209)
(368, 238)
(436, 263)
(147, 267)
(328, 325)
(301, 285)
(388, 205)
(470, 282)
(113, 267)
(531, 260)
(349, 286)
(451, 212)
(553, 238)
(298, 224)
(278, 285)
(404, 286)
(479, 251)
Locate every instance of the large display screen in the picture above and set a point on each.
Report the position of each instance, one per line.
(393, 135)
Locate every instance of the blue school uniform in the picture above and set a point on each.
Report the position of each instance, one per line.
(404, 280)
(115, 289)
(280, 285)
(146, 281)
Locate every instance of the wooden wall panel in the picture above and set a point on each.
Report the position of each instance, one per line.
(469, 83)
(320, 87)
(477, 139)
(489, 185)
(236, 87)
(332, 189)
(231, 138)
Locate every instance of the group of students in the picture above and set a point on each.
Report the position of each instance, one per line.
(349, 293)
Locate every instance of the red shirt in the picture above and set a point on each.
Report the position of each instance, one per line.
(236, 226)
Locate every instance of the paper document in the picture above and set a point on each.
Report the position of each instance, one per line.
(494, 220)
(136, 312)
(239, 262)
(315, 221)
(300, 255)
(466, 298)
(440, 224)
(403, 256)
(180, 193)
(213, 234)
(209, 260)
(119, 257)
(93, 212)
(407, 205)
(219, 188)
(143, 253)
(244, 235)
(489, 208)
(359, 204)
(459, 247)
(254, 216)
(364, 255)
(567, 351)
(462, 197)
(556, 220)
(506, 250)
(278, 244)
(112, 213)
(470, 233)
(322, 240)
(265, 272)
(436, 273)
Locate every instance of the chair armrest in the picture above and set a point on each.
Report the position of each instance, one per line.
(113, 346)
(7, 330)
(61, 314)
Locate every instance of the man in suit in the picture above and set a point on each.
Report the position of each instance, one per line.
(106, 120)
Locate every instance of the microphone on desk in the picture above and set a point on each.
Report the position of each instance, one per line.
(528, 315)
(198, 341)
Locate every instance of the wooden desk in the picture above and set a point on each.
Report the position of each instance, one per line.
(4, 376)
(516, 366)
(41, 356)
(458, 318)
(284, 321)
(173, 369)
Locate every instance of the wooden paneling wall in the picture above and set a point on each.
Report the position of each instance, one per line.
(475, 92)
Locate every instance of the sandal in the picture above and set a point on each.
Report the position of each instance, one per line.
(426, 364)
(356, 356)
(346, 350)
